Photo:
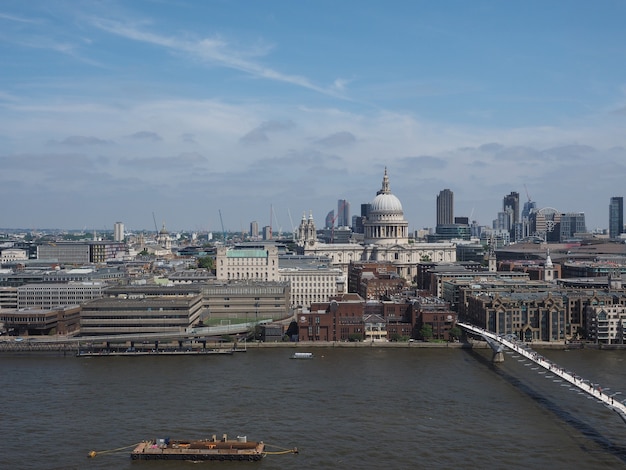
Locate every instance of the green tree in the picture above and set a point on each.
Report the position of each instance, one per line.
(206, 262)
(426, 332)
(455, 332)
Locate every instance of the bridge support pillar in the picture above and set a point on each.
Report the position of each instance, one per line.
(497, 357)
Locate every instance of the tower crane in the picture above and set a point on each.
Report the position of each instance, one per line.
(527, 195)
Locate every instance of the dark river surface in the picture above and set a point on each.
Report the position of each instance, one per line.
(363, 408)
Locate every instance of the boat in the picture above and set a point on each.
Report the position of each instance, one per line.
(302, 355)
(204, 449)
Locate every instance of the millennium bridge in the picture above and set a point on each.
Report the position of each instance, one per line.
(499, 342)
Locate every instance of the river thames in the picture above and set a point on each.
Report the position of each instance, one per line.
(365, 408)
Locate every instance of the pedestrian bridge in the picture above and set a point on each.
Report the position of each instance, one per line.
(499, 342)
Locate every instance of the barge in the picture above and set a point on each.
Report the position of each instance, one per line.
(205, 449)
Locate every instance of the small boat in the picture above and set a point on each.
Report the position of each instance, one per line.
(205, 449)
(302, 355)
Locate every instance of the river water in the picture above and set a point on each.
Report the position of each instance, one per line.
(363, 408)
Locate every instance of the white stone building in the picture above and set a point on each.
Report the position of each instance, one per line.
(12, 255)
(606, 324)
(247, 263)
(386, 239)
(312, 284)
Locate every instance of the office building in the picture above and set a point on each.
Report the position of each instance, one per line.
(118, 232)
(247, 263)
(254, 229)
(616, 217)
(343, 213)
(445, 207)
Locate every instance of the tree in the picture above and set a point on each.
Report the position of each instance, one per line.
(455, 332)
(426, 332)
(206, 262)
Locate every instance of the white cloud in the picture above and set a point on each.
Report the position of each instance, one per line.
(214, 50)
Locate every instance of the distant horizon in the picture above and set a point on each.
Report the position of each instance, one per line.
(121, 110)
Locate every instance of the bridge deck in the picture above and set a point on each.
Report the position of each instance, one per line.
(585, 385)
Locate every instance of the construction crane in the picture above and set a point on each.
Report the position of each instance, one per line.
(527, 195)
(156, 228)
(222, 222)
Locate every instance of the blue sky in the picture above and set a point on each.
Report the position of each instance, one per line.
(112, 111)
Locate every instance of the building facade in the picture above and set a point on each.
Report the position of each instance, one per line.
(530, 316)
(118, 316)
(445, 207)
(49, 295)
(606, 324)
(40, 321)
(246, 301)
(616, 217)
(247, 263)
(386, 239)
(118, 232)
(311, 284)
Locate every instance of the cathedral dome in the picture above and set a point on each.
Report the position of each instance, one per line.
(385, 224)
(386, 203)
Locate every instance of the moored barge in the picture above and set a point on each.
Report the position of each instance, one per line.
(205, 449)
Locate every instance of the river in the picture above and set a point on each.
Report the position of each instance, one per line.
(365, 408)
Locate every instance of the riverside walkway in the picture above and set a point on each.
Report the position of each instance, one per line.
(522, 349)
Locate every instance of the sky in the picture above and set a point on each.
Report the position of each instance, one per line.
(177, 111)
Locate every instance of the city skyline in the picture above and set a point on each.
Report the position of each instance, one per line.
(117, 111)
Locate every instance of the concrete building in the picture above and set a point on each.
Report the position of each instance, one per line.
(40, 321)
(80, 253)
(247, 301)
(118, 232)
(606, 324)
(8, 297)
(254, 230)
(311, 279)
(50, 295)
(13, 256)
(117, 316)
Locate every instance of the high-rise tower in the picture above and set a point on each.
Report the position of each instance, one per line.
(343, 213)
(445, 207)
(254, 229)
(510, 206)
(616, 217)
(118, 232)
(511, 202)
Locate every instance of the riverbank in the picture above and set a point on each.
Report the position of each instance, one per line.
(66, 347)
